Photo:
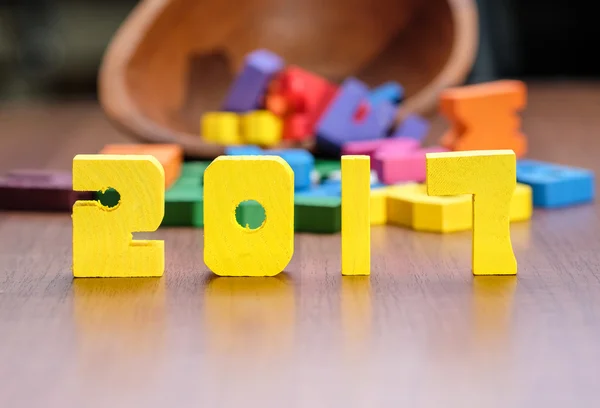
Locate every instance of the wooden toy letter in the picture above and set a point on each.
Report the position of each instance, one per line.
(102, 240)
(491, 177)
(232, 250)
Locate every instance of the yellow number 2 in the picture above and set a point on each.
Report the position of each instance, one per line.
(102, 236)
(233, 250)
(490, 175)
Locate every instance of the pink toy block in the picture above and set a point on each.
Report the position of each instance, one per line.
(401, 166)
(370, 147)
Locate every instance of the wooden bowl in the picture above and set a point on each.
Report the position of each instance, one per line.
(174, 59)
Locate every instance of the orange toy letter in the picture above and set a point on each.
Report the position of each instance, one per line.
(485, 116)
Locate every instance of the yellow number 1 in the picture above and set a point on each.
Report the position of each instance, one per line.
(102, 240)
(490, 175)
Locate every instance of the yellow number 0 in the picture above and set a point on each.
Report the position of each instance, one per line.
(491, 177)
(229, 248)
(102, 239)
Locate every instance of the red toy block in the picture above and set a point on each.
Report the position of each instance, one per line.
(299, 98)
(39, 190)
(401, 166)
(296, 127)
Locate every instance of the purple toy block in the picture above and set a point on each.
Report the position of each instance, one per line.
(338, 124)
(39, 190)
(414, 127)
(390, 91)
(250, 86)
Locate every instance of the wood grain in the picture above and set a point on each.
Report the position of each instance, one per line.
(421, 331)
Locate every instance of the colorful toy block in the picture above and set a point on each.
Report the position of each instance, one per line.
(248, 89)
(243, 150)
(370, 147)
(301, 162)
(332, 187)
(391, 92)
(409, 206)
(325, 167)
(556, 186)
(170, 156)
(485, 116)
(375, 184)
(356, 215)
(297, 127)
(231, 250)
(318, 214)
(102, 239)
(221, 127)
(379, 204)
(338, 124)
(39, 190)
(194, 170)
(184, 201)
(414, 127)
(521, 204)
(329, 188)
(394, 166)
(261, 128)
(315, 178)
(299, 98)
(490, 176)
(334, 175)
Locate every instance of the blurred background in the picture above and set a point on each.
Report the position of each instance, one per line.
(51, 49)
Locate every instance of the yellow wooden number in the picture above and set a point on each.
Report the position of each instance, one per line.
(229, 248)
(356, 215)
(491, 177)
(102, 236)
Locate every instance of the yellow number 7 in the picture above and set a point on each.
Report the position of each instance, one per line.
(102, 239)
(491, 177)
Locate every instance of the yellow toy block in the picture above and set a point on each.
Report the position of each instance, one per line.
(221, 127)
(379, 206)
(356, 215)
(410, 206)
(102, 241)
(232, 250)
(262, 128)
(490, 176)
(521, 205)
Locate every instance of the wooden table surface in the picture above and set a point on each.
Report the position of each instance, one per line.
(421, 332)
